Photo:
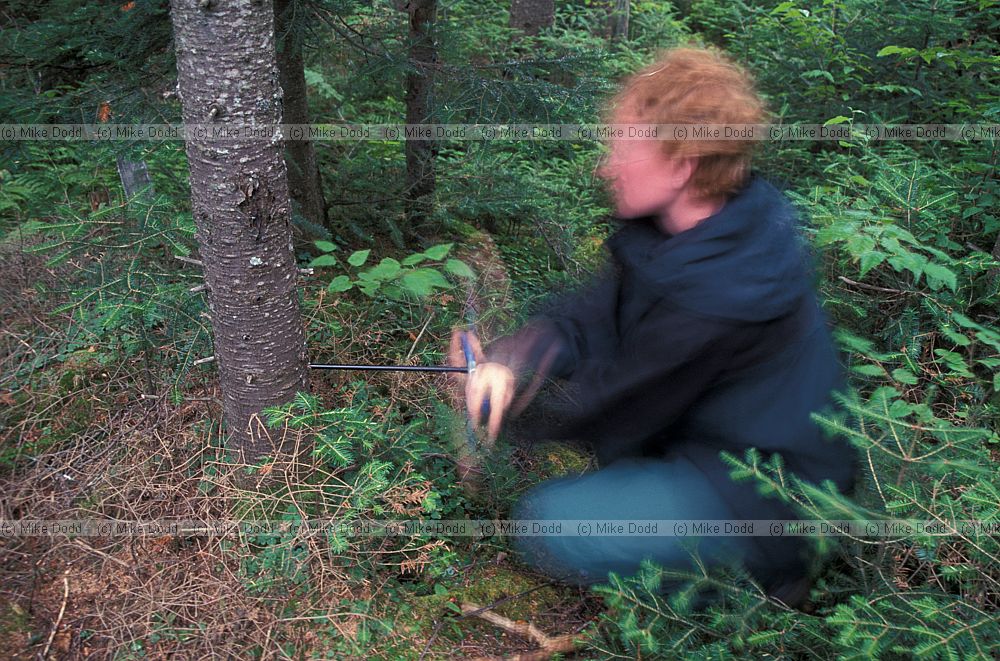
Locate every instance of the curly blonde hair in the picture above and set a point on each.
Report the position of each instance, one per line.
(697, 86)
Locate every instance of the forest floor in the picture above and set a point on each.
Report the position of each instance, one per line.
(80, 444)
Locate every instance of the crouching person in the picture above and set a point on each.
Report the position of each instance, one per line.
(704, 335)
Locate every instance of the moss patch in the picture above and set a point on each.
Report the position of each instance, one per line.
(490, 584)
(419, 615)
(558, 459)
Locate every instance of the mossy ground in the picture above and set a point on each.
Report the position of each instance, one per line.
(437, 627)
(430, 610)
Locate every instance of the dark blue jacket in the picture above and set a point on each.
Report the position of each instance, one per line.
(707, 340)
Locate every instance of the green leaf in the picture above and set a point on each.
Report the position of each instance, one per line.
(956, 337)
(858, 244)
(392, 292)
(902, 235)
(912, 262)
(459, 268)
(358, 258)
(870, 259)
(326, 246)
(414, 259)
(937, 274)
(438, 252)
(369, 287)
(386, 269)
(316, 80)
(763, 637)
(891, 243)
(324, 260)
(895, 50)
(818, 73)
(340, 283)
(954, 361)
(337, 543)
(839, 119)
(337, 451)
(965, 321)
(422, 282)
(996, 382)
(60, 258)
(904, 376)
(983, 334)
(869, 370)
(900, 409)
(841, 231)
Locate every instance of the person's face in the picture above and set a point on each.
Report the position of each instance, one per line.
(643, 181)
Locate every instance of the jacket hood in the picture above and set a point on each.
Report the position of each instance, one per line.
(747, 262)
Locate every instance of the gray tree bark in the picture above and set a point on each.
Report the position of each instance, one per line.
(532, 15)
(300, 155)
(227, 77)
(618, 21)
(420, 154)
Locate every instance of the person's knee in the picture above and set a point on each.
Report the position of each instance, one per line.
(582, 559)
(543, 514)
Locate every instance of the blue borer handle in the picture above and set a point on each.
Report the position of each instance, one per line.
(470, 363)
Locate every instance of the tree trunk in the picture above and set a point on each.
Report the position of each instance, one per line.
(532, 15)
(300, 155)
(618, 21)
(227, 77)
(420, 154)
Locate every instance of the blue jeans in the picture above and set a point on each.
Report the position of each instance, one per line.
(637, 488)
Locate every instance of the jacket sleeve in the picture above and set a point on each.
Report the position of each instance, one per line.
(577, 326)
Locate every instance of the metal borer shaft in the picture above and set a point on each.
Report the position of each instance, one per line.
(391, 368)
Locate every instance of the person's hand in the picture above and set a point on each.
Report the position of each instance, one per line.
(493, 383)
(490, 382)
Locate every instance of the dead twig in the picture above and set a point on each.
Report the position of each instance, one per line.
(188, 260)
(91, 549)
(62, 611)
(863, 285)
(547, 645)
